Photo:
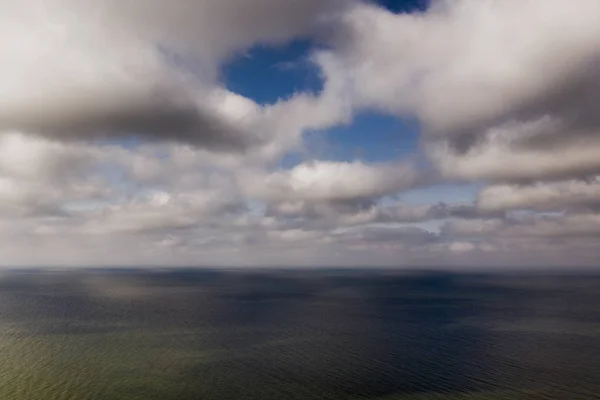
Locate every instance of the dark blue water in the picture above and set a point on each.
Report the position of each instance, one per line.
(191, 334)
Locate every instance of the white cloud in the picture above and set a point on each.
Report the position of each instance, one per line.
(461, 247)
(332, 182)
(487, 53)
(75, 69)
(162, 212)
(541, 196)
(506, 92)
(500, 87)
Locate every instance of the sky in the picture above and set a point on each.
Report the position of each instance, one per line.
(441, 133)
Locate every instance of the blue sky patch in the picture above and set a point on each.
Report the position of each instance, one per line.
(371, 137)
(269, 73)
(404, 6)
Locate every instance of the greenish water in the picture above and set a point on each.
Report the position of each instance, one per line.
(297, 335)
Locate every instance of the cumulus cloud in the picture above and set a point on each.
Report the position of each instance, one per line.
(327, 181)
(500, 155)
(75, 69)
(114, 112)
(461, 247)
(501, 87)
(162, 212)
(505, 93)
(541, 196)
(532, 236)
(584, 225)
(39, 177)
(419, 213)
(404, 236)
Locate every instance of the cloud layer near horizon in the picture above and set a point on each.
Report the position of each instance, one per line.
(506, 93)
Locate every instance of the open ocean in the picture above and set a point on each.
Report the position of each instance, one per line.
(323, 334)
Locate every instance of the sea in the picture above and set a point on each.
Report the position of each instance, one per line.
(253, 334)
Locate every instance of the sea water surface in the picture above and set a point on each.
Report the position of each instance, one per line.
(328, 334)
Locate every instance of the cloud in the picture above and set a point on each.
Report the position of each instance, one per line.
(328, 181)
(541, 196)
(137, 189)
(406, 236)
(335, 213)
(461, 247)
(324, 215)
(420, 213)
(506, 93)
(489, 53)
(476, 228)
(571, 227)
(114, 112)
(500, 156)
(578, 230)
(81, 69)
(38, 177)
(162, 212)
(500, 87)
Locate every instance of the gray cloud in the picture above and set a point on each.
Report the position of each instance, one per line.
(407, 236)
(582, 228)
(484, 79)
(406, 213)
(113, 117)
(148, 69)
(500, 156)
(506, 92)
(541, 196)
(330, 215)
